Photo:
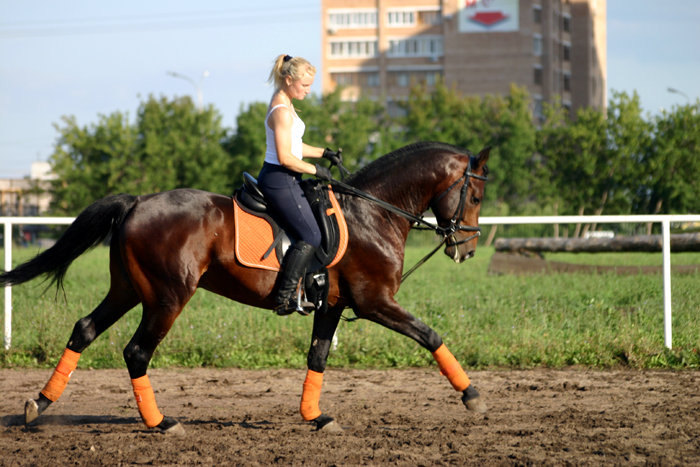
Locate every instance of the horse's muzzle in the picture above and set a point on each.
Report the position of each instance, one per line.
(461, 250)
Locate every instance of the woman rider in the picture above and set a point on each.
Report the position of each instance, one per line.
(280, 177)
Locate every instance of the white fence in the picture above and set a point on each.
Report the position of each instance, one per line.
(665, 221)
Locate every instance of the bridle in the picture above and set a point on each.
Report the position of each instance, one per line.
(455, 226)
(419, 223)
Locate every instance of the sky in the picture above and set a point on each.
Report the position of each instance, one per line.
(86, 59)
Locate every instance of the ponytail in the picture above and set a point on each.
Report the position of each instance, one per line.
(286, 65)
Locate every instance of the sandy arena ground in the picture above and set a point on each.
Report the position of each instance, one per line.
(397, 417)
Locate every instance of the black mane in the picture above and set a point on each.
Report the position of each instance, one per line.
(400, 156)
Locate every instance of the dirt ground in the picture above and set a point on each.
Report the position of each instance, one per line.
(398, 417)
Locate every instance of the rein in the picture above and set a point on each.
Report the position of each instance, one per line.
(420, 223)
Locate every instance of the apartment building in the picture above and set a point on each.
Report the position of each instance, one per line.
(380, 48)
(27, 196)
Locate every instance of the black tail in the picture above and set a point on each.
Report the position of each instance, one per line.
(90, 228)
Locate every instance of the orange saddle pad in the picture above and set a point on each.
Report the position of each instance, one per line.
(254, 236)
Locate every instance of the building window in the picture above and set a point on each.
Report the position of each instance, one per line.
(537, 71)
(401, 18)
(342, 79)
(372, 80)
(402, 79)
(407, 78)
(353, 49)
(567, 81)
(566, 23)
(537, 14)
(352, 19)
(537, 45)
(538, 107)
(419, 46)
(429, 18)
(566, 52)
(432, 78)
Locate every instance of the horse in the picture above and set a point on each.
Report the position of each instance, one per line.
(164, 246)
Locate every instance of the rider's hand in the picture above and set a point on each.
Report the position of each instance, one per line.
(323, 173)
(336, 157)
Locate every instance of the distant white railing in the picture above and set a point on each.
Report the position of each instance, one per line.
(664, 220)
(8, 222)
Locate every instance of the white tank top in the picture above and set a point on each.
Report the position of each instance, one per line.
(298, 128)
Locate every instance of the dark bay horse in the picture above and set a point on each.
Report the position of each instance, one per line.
(164, 246)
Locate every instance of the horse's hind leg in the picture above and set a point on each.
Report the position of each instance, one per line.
(120, 299)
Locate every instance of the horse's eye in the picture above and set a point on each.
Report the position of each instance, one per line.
(475, 200)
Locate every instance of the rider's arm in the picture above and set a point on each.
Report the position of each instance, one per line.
(281, 123)
(311, 151)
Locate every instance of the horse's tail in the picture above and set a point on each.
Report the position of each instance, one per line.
(90, 228)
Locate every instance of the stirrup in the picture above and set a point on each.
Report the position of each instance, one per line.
(301, 306)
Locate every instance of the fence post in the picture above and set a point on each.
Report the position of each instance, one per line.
(666, 247)
(8, 290)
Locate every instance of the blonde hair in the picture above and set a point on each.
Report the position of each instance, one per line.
(286, 65)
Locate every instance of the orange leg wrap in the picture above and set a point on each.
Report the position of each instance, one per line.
(59, 379)
(146, 401)
(311, 395)
(450, 367)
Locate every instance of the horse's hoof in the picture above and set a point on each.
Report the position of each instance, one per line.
(327, 424)
(31, 411)
(331, 427)
(472, 400)
(170, 426)
(176, 430)
(476, 405)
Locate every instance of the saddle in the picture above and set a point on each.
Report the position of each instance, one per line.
(260, 242)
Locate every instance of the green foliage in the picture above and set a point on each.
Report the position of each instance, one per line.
(170, 145)
(359, 128)
(672, 166)
(612, 162)
(598, 320)
(504, 123)
(247, 146)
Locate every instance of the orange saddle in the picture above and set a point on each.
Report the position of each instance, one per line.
(259, 243)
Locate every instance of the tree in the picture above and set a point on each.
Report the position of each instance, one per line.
(672, 166)
(171, 145)
(84, 161)
(620, 172)
(247, 145)
(180, 146)
(505, 123)
(360, 128)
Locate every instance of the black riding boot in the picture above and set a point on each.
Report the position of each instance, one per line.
(293, 267)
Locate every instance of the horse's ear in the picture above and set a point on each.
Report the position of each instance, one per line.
(483, 156)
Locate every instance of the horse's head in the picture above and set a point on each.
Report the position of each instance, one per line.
(457, 207)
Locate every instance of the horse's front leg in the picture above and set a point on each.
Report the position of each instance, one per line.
(325, 325)
(387, 312)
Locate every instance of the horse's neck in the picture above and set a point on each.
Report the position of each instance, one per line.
(410, 191)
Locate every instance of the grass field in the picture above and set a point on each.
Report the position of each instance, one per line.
(488, 321)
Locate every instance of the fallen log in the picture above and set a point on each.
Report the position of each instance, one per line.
(646, 243)
(515, 264)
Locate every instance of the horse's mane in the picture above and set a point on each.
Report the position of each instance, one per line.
(401, 156)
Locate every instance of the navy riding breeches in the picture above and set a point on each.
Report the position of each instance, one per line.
(288, 204)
